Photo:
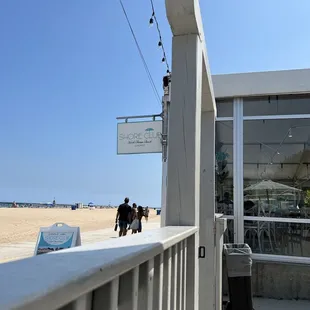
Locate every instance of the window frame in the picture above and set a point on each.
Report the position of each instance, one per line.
(238, 120)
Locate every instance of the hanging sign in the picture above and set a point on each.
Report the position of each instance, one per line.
(139, 138)
(57, 237)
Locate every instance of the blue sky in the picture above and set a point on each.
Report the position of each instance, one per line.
(69, 68)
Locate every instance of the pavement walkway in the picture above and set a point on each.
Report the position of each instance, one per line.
(14, 251)
(272, 304)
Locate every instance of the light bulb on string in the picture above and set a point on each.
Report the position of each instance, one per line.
(290, 135)
(163, 59)
(160, 44)
(151, 22)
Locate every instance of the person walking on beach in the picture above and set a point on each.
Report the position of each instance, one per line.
(146, 213)
(140, 215)
(123, 217)
(134, 219)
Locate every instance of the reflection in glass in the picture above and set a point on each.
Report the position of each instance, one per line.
(223, 167)
(278, 238)
(277, 105)
(276, 184)
(268, 198)
(229, 233)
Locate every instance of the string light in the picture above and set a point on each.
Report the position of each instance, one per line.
(160, 42)
(290, 135)
(151, 22)
(149, 75)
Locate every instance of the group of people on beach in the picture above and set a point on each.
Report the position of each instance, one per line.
(128, 217)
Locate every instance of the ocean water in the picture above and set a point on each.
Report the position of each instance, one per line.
(32, 205)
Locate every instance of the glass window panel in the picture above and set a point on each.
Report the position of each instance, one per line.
(229, 233)
(276, 163)
(278, 238)
(224, 167)
(224, 108)
(277, 105)
(276, 184)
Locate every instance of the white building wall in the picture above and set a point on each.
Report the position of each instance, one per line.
(258, 83)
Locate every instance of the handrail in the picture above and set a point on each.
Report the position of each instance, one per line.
(61, 277)
(281, 259)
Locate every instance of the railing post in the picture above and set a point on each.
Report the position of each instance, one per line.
(158, 282)
(167, 280)
(183, 306)
(83, 303)
(135, 288)
(175, 276)
(114, 294)
(150, 283)
(181, 279)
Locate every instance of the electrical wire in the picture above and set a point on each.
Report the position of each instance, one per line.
(149, 75)
(160, 43)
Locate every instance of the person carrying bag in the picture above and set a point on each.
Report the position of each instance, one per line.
(134, 226)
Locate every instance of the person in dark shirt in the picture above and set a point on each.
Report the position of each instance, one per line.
(140, 215)
(122, 216)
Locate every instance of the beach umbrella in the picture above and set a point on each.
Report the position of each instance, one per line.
(269, 186)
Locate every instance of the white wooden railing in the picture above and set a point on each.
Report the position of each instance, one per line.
(152, 270)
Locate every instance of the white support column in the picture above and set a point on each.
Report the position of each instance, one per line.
(221, 225)
(183, 174)
(207, 207)
(163, 194)
(238, 171)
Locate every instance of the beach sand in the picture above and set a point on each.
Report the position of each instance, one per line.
(20, 225)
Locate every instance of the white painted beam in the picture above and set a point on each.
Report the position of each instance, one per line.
(221, 225)
(183, 178)
(207, 212)
(183, 171)
(185, 18)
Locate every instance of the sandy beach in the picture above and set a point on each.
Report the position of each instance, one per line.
(21, 225)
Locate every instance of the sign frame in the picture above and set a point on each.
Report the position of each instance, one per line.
(141, 152)
(60, 228)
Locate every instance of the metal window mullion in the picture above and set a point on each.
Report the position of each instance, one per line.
(238, 170)
(224, 119)
(276, 117)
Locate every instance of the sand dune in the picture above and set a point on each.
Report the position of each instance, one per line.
(18, 225)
